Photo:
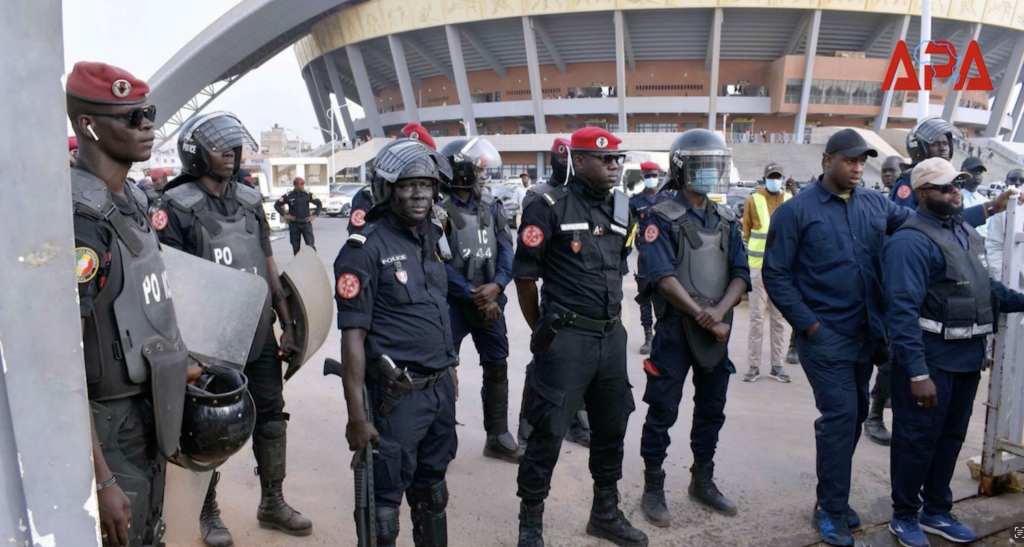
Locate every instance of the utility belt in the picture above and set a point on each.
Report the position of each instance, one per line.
(398, 382)
(558, 316)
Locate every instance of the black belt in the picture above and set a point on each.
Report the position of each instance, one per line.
(408, 382)
(576, 320)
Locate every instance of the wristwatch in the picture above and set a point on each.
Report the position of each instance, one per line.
(990, 209)
(290, 322)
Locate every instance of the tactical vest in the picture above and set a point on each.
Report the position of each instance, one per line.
(702, 257)
(472, 240)
(141, 344)
(758, 238)
(232, 241)
(960, 306)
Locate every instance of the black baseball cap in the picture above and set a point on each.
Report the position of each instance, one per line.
(849, 143)
(972, 163)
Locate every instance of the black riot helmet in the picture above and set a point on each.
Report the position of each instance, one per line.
(928, 131)
(404, 159)
(468, 158)
(700, 161)
(211, 133)
(218, 419)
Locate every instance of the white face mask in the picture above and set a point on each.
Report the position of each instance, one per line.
(651, 183)
(773, 185)
(705, 180)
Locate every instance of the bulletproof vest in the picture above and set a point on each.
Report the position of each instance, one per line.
(959, 306)
(143, 312)
(473, 242)
(702, 257)
(232, 241)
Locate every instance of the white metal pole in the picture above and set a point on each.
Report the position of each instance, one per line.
(926, 36)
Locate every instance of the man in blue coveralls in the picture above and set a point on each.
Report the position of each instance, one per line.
(823, 269)
(640, 205)
(941, 306)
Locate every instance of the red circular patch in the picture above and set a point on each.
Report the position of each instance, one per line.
(903, 192)
(358, 218)
(158, 219)
(651, 234)
(532, 236)
(348, 286)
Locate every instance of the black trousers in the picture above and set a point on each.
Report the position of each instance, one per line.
(266, 383)
(579, 369)
(303, 229)
(126, 428)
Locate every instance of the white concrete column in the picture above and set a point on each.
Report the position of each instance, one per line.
(805, 94)
(715, 51)
(533, 69)
(461, 80)
(366, 97)
(1002, 101)
(899, 33)
(953, 97)
(620, 68)
(339, 94)
(404, 81)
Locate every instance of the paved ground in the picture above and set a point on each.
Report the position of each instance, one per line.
(765, 459)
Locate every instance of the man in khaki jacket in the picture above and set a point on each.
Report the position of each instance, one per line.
(757, 212)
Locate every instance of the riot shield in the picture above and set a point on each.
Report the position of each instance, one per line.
(218, 308)
(308, 289)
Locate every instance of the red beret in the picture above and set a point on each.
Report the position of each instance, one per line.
(561, 147)
(72, 143)
(156, 173)
(299, 179)
(104, 84)
(416, 131)
(649, 166)
(594, 139)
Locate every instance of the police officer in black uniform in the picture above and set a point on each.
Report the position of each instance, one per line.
(122, 284)
(932, 137)
(697, 264)
(640, 206)
(480, 268)
(396, 339)
(300, 221)
(576, 238)
(579, 429)
(207, 214)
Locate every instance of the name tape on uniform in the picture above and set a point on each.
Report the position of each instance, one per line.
(574, 227)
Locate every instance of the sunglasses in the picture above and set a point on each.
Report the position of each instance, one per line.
(1015, 180)
(958, 184)
(133, 117)
(610, 159)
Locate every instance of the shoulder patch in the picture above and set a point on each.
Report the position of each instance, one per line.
(651, 233)
(347, 286)
(532, 236)
(358, 218)
(158, 219)
(87, 263)
(903, 192)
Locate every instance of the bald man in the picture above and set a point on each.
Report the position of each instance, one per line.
(891, 169)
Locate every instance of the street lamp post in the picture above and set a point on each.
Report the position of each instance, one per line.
(330, 160)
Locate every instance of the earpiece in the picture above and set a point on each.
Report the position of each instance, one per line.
(91, 132)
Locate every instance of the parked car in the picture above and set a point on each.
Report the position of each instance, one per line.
(339, 202)
(506, 194)
(736, 197)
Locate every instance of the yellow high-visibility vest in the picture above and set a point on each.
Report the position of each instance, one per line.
(758, 238)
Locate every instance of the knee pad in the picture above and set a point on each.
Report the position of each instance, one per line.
(272, 430)
(429, 520)
(433, 498)
(387, 525)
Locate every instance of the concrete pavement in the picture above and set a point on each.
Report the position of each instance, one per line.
(765, 457)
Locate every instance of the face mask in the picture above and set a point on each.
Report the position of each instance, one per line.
(773, 185)
(704, 180)
(651, 183)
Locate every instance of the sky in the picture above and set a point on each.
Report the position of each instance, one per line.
(140, 36)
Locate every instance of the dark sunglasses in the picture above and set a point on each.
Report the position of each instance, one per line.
(1016, 180)
(945, 189)
(609, 159)
(133, 117)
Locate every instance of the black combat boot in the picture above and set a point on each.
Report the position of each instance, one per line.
(875, 425)
(648, 339)
(269, 444)
(608, 522)
(653, 503)
(531, 525)
(703, 489)
(214, 532)
(579, 429)
(500, 444)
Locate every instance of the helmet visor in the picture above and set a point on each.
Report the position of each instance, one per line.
(481, 153)
(706, 171)
(933, 129)
(223, 131)
(408, 158)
